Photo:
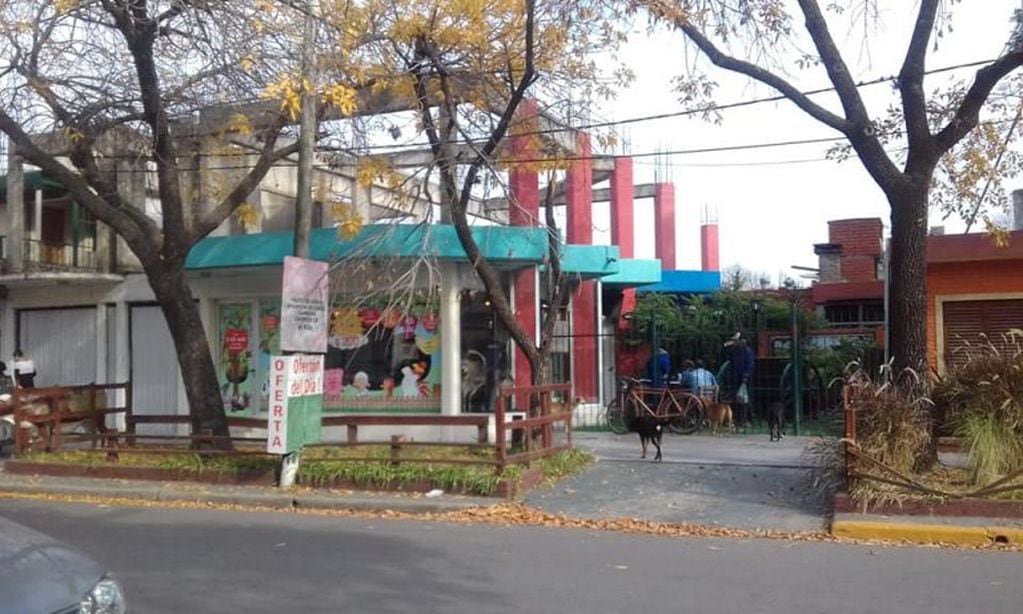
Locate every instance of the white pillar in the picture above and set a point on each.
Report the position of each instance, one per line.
(450, 343)
(600, 342)
(101, 343)
(37, 226)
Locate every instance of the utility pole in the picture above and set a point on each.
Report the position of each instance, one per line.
(307, 134)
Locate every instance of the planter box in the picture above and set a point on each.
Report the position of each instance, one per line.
(989, 508)
(506, 488)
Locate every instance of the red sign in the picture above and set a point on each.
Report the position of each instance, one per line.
(236, 340)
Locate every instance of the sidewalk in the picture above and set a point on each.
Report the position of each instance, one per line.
(250, 496)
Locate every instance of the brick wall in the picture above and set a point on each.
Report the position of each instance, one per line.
(958, 278)
(861, 247)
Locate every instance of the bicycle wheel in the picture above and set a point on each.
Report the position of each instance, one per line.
(615, 417)
(690, 415)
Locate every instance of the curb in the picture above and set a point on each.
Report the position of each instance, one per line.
(277, 501)
(927, 533)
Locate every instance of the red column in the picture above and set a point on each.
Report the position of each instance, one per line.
(709, 247)
(579, 214)
(523, 210)
(622, 227)
(664, 224)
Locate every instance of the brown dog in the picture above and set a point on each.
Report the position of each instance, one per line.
(719, 415)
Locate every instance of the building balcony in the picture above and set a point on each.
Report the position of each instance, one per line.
(47, 256)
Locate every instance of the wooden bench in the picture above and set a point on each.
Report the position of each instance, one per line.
(50, 410)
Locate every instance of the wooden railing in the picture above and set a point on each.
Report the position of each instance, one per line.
(533, 437)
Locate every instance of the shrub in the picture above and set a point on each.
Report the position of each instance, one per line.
(892, 419)
(981, 401)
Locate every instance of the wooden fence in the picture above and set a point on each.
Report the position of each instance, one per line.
(46, 411)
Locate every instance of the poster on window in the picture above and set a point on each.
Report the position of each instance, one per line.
(236, 369)
(269, 343)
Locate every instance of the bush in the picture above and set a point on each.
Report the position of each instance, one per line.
(892, 419)
(982, 401)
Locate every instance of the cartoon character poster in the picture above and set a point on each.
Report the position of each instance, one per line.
(269, 343)
(236, 373)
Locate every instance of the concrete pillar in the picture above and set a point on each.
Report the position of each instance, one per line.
(579, 215)
(622, 227)
(709, 247)
(524, 210)
(15, 213)
(664, 225)
(450, 341)
(37, 222)
(101, 343)
(623, 232)
(8, 342)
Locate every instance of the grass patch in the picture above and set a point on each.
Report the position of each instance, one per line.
(182, 461)
(323, 466)
(564, 464)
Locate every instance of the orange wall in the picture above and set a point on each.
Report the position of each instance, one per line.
(951, 278)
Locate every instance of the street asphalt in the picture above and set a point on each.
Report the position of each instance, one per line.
(744, 482)
(182, 560)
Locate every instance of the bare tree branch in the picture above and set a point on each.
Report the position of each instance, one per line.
(968, 114)
(911, 77)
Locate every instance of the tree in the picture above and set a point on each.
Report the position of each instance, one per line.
(469, 66)
(749, 38)
(106, 83)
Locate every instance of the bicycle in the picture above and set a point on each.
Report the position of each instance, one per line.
(681, 411)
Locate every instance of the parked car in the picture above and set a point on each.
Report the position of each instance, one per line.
(38, 574)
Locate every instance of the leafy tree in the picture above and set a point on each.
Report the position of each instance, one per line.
(469, 66)
(761, 40)
(91, 87)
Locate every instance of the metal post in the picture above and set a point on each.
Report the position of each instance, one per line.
(797, 366)
(307, 136)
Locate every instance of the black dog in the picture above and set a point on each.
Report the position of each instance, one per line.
(776, 419)
(649, 430)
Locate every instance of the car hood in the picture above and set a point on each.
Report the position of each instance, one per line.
(40, 574)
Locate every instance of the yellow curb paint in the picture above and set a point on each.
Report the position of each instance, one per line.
(927, 533)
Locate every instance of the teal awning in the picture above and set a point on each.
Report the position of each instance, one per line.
(34, 180)
(634, 272)
(502, 245)
(589, 260)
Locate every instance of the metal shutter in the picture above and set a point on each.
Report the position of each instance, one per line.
(61, 342)
(155, 376)
(978, 322)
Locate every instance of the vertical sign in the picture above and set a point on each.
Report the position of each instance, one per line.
(296, 402)
(304, 306)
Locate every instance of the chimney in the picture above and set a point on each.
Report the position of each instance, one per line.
(1017, 209)
(709, 242)
(936, 231)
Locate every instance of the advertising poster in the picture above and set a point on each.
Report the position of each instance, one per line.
(236, 369)
(269, 343)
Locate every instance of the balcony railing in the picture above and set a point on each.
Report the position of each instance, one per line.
(48, 256)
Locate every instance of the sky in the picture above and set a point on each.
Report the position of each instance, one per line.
(773, 204)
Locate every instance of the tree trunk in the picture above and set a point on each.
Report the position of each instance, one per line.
(908, 284)
(202, 389)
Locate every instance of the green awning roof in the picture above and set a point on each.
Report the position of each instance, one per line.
(502, 245)
(634, 272)
(589, 260)
(34, 180)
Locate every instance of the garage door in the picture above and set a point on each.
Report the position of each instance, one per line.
(62, 342)
(976, 322)
(155, 376)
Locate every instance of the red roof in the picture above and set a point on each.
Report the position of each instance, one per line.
(973, 247)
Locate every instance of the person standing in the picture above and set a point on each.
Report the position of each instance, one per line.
(24, 370)
(741, 362)
(658, 368)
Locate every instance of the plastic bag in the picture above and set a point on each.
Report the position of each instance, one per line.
(742, 395)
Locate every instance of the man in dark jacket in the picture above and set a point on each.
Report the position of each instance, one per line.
(658, 368)
(741, 364)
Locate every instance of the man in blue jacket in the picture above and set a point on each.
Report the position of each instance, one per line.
(741, 363)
